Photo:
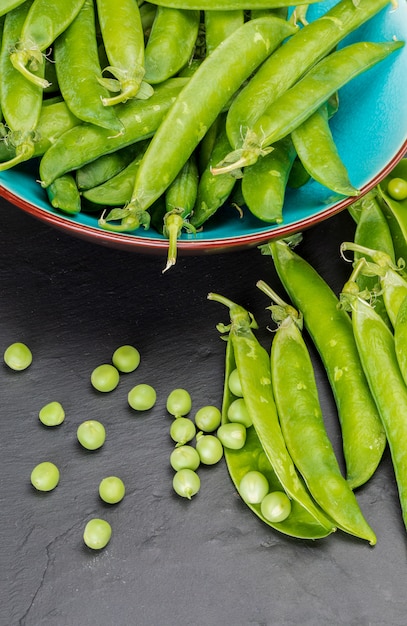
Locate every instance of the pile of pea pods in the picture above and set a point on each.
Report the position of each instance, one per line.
(140, 113)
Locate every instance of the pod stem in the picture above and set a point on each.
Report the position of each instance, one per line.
(174, 222)
(23, 58)
(126, 85)
(131, 217)
(24, 152)
(281, 310)
(382, 259)
(242, 157)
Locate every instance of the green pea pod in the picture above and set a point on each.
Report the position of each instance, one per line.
(298, 175)
(44, 22)
(213, 191)
(207, 92)
(21, 101)
(287, 64)
(395, 211)
(331, 331)
(300, 523)
(302, 423)
(264, 183)
(225, 5)
(253, 365)
(301, 100)
(9, 5)
(79, 72)
(81, 145)
(147, 15)
(219, 25)
(64, 195)
(171, 43)
(123, 39)
(316, 148)
(400, 338)
(105, 167)
(375, 344)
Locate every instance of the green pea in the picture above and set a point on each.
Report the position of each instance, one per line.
(184, 457)
(18, 356)
(276, 506)
(397, 188)
(142, 397)
(182, 430)
(91, 434)
(238, 412)
(52, 414)
(45, 476)
(253, 487)
(186, 483)
(179, 402)
(209, 448)
(112, 489)
(208, 418)
(234, 383)
(105, 377)
(97, 533)
(126, 358)
(232, 435)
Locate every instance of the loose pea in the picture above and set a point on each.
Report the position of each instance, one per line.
(209, 448)
(276, 506)
(52, 414)
(45, 476)
(112, 489)
(186, 483)
(397, 188)
(232, 435)
(237, 412)
(179, 402)
(253, 487)
(105, 377)
(208, 418)
(97, 533)
(142, 397)
(182, 430)
(126, 359)
(18, 356)
(184, 457)
(91, 434)
(235, 385)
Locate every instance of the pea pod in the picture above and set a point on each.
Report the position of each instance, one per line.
(171, 43)
(302, 423)
(331, 331)
(385, 380)
(205, 95)
(287, 64)
(395, 211)
(316, 148)
(79, 72)
(44, 22)
(123, 39)
(225, 5)
(300, 523)
(9, 5)
(219, 25)
(63, 194)
(253, 365)
(81, 145)
(301, 100)
(400, 338)
(105, 167)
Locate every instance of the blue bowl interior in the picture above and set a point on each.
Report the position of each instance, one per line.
(370, 130)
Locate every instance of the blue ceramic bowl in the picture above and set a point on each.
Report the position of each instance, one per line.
(370, 131)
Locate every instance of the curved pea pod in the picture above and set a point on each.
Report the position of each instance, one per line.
(300, 523)
(298, 175)
(123, 39)
(302, 422)
(395, 211)
(44, 22)
(105, 167)
(253, 365)
(203, 98)
(264, 183)
(79, 73)
(400, 338)
(64, 195)
(219, 25)
(316, 148)
(9, 5)
(376, 347)
(213, 191)
(171, 43)
(330, 329)
(83, 144)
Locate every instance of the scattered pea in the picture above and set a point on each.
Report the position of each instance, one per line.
(184, 457)
(52, 414)
(112, 489)
(179, 403)
(186, 483)
(126, 358)
(45, 476)
(208, 418)
(209, 448)
(91, 434)
(237, 412)
(18, 356)
(232, 435)
(182, 430)
(276, 506)
(97, 533)
(253, 487)
(142, 397)
(105, 377)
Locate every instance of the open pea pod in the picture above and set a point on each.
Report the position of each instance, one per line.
(395, 210)
(264, 449)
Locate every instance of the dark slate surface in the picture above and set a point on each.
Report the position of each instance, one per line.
(170, 562)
